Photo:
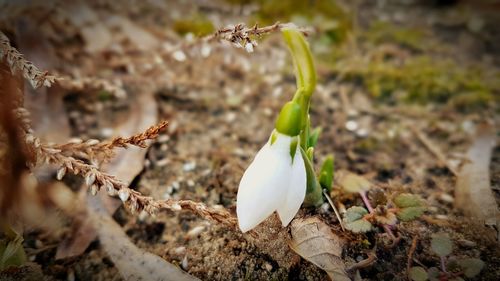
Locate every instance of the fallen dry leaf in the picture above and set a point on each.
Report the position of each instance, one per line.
(313, 240)
(473, 191)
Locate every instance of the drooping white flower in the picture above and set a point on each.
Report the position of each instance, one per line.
(275, 181)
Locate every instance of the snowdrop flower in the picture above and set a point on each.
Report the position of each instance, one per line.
(276, 179)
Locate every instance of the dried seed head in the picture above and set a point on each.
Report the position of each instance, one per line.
(123, 194)
(176, 207)
(30, 138)
(91, 142)
(109, 188)
(52, 150)
(249, 47)
(94, 189)
(75, 141)
(68, 165)
(36, 143)
(61, 173)
(89, 178)
(134, 206)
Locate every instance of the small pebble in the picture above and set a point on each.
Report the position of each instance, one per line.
(351, 125)
(324, 208)
(71, 275)
(230, 117)
(180, 250)
(176, 185)
(195, 231)
(189, 166)
(107, 132)
(163, 162)
(442, 217)
(184, 263)
(179, 56)
(268, 266)
(466, 243)
(205, 50)
(446, 198)
(163, 138)
(38, 244)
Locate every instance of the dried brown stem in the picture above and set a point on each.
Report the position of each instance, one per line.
(413, 247)
(103, 151)
(93, 83)
(134, 200)
(434, 150)
(242, 36)
(17, 62)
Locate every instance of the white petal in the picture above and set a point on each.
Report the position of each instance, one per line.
(264, 184)
(295, 191)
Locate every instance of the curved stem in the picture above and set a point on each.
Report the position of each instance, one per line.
(305, 72)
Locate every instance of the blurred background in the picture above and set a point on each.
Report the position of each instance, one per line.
(405, 88)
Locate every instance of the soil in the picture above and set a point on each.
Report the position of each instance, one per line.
(221, 108)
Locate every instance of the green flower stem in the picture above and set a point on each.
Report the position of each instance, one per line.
(305, 74)
(302, 60)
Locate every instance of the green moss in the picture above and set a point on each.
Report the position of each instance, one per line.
(199, 25)
(384, 32)
(422, 79)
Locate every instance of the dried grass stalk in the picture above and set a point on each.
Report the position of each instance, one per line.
(17, 62)
(79, 84)
(96, 180)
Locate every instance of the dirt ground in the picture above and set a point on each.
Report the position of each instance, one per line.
(221, 103)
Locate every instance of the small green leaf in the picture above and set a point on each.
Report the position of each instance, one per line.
(314, 194)
(12, 253)
(354, 184)
(410, 206)
(410, 213)
(354, 220)
(314, 136)
(433, 273)
(326, 173)
(471, 266)
(418, 273)
(405, 200)
(441, 244)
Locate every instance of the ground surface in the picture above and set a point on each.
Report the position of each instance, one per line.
(221, 103)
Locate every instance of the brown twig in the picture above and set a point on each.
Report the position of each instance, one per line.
(371, 259)
(433, 149)
(409, 262)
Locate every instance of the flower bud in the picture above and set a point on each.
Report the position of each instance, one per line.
(289, 120)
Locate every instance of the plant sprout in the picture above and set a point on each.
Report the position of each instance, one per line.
(451, 269)
(281, 177)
